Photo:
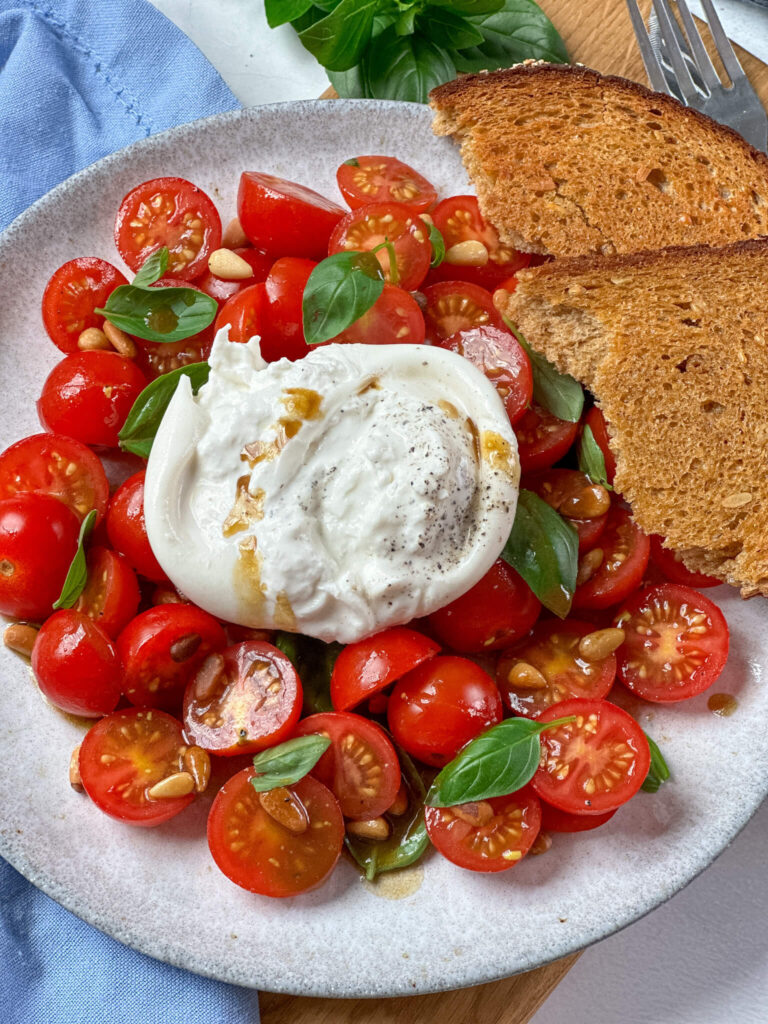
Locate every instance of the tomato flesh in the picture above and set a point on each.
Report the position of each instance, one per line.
(625, 551)
(394, 319)
(283, 218)
(111, 595)
(382, 179)
(498, 844)
(456, 306)
(560, 486)
(668, 562)
(73, 293)
(542, 439)
(369, 226)
(76, 665)
(369, 666)
(127, 531)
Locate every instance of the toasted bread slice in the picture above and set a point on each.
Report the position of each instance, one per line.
(674, 345)
(566, 161)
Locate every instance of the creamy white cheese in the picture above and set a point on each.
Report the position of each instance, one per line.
(355, 489)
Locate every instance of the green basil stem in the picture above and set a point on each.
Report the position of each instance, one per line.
(394, 273)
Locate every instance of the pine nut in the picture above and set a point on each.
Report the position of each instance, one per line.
(20, 638)
(426, 218)
(75, 780)
(286, 809)
(588, 565)
(92, 339)
(120, 341)
(372, 828)
(234, 237)
(185, 647)
(477, 814)
(172, 787)
(400, 803)
(526, 677)
(207, 678)
(198, 763)
(227, 265)
(601, 644)
(593, 501)
(467, 254)
(541, 844)
(166, 595)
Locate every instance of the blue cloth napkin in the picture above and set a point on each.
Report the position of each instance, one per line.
(80, 79)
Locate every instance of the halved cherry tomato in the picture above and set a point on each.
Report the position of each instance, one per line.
(383, 179)
(245, 314)
(625, 550)
(162, 648)
(154, 358)
(676, 643)
(283, 335)
(111, 595)
(283, 218)
(454, 306)
(394, 319)
(365, 668)
(88, 396)
(559, 488)
(440, 706)
(593, 764)
(127, 531)
(38, 540)
(542, 438)
(74, 291)
(505, 830)
(665, 559)
(222, 290)
(553, 649)
(555, 820)
(76, 665)
(369, 226)
(261, 855)
(127, 753)
(244, 700)
(360, 767)
(501, 358)
(56, 465)
(169, 212)
(498, 610)
(596, 422)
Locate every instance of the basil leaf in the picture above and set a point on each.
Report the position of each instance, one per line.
(404, 22)
(339, 39)
(447, 29)
(350, 84)
(558, 392)
(281, 11)
(339, 291)
(148, 410)
(544, 549)
(592, 460)
(438, 246)
(405, 67)
(159, 314)
(658, 773)
(288, 762)
(152, 269)
(483, 7)
(314, 661)
(497, 763)
(518, 31)
(77, 574)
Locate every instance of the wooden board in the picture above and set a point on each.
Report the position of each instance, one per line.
(597, 33)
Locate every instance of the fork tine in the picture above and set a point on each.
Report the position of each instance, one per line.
(703, 62)
(724, 48)
(685, 49)
(652, 66)
(683, 75)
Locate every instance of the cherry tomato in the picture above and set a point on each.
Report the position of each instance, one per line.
(127, 753)
(676, 643)
(284, 327)
(394, 319)
(663, 558)
(360, 767)
(154, 358)
(162, 648)
(542, 438)
(491, 615)
(76, 665)
(245, 314)
(368, 226)
(454, 306)
(383, 179)
(111, 595)
(56, 465)
(501, 358)
(222, 290)
(88, 396)
(553, 649)
(440, 706)
(283, 218)
(73, 293)
(555, 820)
(258, 853)
(369, 666)
(593, 764)
(169, 212)
(38, 540)
(596, 422)
(625, 550)
(127, 531)
(458, 219)
(502, 832)
(244, 700)
(561, 488)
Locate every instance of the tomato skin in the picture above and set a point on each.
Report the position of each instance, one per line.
(38, 540)
(284, 334)
(542, 439)
(394, 319)
(127, 531)
(666, 657)
(368, 226)
(555, 820)
(484, 848)
(555, 486)
(267, 858)
(88, 396)
(111, 595)
(245, 314)
(440, 706)
(383, 179)
(283, 218)
(596, 422)
(615, 580)
(222, 290)
(369, 666)
(454, 306)
(74, 291)
(667, 561)
(42, 464)
(123, 756)
(76, 665)
(498, 610)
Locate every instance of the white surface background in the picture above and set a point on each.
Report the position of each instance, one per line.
(703, 957)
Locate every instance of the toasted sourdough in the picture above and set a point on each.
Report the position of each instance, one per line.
(566, 161)
(674, 345)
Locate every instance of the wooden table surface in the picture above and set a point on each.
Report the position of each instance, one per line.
(597, 33)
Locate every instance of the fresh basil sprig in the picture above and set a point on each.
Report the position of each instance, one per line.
(339, 291)
(497, 763)
(313, 661)
(147, 412)
(152, 269)
(77, 574)
(543, 548)
(658, 773)
(592, 460)
(287, 762)
(438, 246)
(558, 392)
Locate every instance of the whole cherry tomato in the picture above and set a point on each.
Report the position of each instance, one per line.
(76, 665)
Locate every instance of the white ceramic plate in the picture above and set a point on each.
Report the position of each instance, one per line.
(157, 889)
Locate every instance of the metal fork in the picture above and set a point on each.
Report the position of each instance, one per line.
(683, 69)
